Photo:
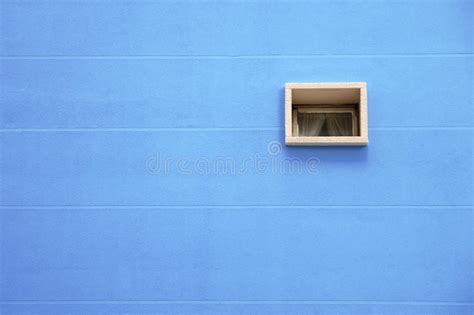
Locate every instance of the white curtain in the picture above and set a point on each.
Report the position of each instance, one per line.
(319, 124)
(339, 124)
(310, 124)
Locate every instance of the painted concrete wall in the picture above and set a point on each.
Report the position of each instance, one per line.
(142, 169)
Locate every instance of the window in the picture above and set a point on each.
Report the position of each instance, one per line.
(326, 113)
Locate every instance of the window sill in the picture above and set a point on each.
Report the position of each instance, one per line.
(354, 141)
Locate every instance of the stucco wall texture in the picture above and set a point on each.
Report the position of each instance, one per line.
(143, 168)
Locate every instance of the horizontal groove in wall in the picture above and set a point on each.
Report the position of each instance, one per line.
(199, 207)
(193, 1)
(282, 56)
(238, 302)
(135, 129)
(242, 302)
(215, 129)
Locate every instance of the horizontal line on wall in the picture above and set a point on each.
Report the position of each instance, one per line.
(186, 129)
(202, 207)
(248, 302)
(237, 56)
(185, 1)
(171, 129)
(423, 128)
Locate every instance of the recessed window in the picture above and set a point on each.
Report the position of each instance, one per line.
(326, 114)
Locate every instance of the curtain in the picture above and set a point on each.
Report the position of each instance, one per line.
(319, 124)
(339, 124)
(310, 124)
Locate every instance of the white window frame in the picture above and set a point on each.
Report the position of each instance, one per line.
(360, 138)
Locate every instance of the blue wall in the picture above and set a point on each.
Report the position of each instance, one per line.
(97, 96)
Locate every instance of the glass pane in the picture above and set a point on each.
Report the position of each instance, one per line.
(323, 125)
